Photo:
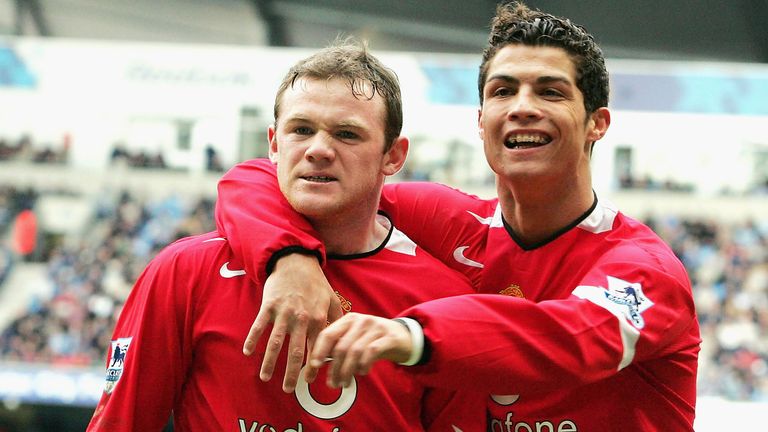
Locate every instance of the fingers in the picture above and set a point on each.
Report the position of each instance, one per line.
(274, 345)
(348, 355)
(310, 372)
(295, 353)
(257, 328)
(326, 341)
(354, 342)
(334, 309)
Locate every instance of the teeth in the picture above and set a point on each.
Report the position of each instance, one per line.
(529, 138)
(318, 179)
(526, 140)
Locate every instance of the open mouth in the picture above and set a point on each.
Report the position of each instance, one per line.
(524, 141)
(318, 179)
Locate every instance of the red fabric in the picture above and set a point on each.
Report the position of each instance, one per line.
(186, 320)
(605, 338)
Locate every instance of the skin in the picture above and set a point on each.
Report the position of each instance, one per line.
(532, 90)
(542, 186)
(329, 149)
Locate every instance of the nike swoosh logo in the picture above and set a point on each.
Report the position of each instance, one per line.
(215, 239)
(482, 220)
(227, 273)
(455, 429)
(458, 255)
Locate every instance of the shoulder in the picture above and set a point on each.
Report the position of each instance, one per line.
(621, 237)
(192, 253)
(439, 195)
(632, 249)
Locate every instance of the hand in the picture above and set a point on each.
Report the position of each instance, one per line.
(355, 342)
(300, 302)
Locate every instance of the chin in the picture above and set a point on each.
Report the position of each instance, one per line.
(316, 208)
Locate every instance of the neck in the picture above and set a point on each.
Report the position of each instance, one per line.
(537, 210)
(351, 234)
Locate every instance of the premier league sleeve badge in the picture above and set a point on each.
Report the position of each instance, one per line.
(116, 362)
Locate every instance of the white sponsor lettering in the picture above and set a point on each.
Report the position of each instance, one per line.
(330, 411)
(505, 399)
(256, 427)
(509, 425)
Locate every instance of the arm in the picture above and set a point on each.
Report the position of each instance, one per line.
(435, 217)
(264, 230)
(262, 227)
(506, 345)
(278, 246)
(150, 376)
(259, 223)
(557, 344)
(357, 340)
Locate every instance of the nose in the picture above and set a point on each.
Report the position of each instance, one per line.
(524, 106)
(320, 148)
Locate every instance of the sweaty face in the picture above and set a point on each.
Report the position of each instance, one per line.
(329, 149)
(533, 122)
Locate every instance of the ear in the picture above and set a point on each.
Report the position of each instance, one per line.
(598, 124)
(273, 151)
(480, 130)
(395, 157)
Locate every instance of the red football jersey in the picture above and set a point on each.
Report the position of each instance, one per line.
(178, 349)
(596, 329)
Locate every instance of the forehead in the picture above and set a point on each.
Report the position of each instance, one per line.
(333, 96)
(523, 61)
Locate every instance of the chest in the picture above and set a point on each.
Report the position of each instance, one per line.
(550, 271)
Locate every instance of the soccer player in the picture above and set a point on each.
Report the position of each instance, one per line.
(177, 343)
(592, 324)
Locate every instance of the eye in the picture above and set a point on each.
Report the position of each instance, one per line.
(552, 93)
(302, 130)
(503, 91)
(347, 135)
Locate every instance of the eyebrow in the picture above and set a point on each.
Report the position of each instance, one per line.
(300, 118)
(546, 79)
(350, 124)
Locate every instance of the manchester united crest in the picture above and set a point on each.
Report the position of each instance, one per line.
(513, 291)
(346, 305)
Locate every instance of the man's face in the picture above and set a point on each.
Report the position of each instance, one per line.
(533, 122)
(329, 149)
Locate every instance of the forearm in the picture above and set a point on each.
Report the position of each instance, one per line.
(259, 223)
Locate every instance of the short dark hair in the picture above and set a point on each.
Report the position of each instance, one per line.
(351, 61)
(515, 23)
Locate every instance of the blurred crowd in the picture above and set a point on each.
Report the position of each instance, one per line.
(92, 275)
(728, 267)
(26, 150)
(136, 159)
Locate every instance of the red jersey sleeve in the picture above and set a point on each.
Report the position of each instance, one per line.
(623, 312)
(434, 215)
(258, 222)
(261, 226)
(148, 361)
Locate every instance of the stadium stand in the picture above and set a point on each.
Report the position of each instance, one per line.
(92, 274)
